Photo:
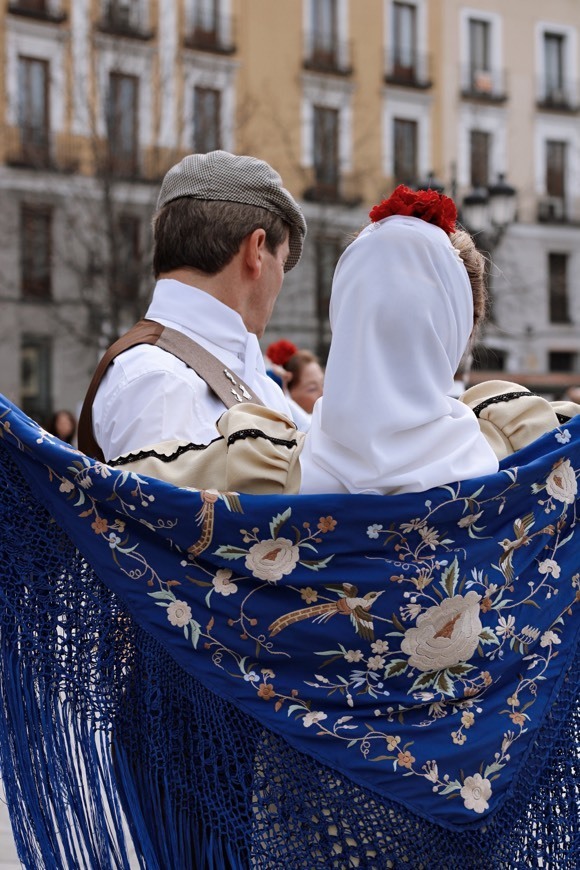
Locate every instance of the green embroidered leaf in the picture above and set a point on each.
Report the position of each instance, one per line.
(329, 661)
(294, 707)
(396, 667)
(195, 632)
(487, 635)
(449, 578)
(396, 622)
(423, 681)
(460, 669)
(444, 683)
(198, 582)
(167, 596)
(278, 521)
(315, 564)
(228, 551)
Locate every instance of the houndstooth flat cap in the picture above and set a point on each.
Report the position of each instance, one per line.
(226, 177)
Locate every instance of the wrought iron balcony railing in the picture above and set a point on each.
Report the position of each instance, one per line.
(121, 20)
(327, 56)
(411, 70)
(560, 97)
(35, 9)
(214, 34)
(484, 85)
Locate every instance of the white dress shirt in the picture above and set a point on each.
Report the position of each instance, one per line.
(148, 395)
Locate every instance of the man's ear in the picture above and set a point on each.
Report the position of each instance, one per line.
(253, 247)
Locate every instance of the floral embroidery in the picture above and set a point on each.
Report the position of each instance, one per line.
(419, 649)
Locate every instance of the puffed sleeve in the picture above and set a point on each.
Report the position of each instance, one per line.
(510, 416)
(263, 450)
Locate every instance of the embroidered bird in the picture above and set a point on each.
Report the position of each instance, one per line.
(348, 604)
(205, 516)
(522, 539)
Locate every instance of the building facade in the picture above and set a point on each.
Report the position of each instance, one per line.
(345, 99)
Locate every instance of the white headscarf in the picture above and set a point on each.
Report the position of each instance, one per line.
(401, 313)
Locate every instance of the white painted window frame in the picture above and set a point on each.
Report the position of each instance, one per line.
(495, 22)
(421, 46)
(320, 91)
(570, 35)
(490, 120)
(416, 107)
(342, 31)
(218, 74)
(30, 41)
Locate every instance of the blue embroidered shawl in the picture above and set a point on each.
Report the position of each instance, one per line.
(289, 681)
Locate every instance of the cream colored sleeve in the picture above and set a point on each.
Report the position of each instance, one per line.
(180, 463)
(263, 450)
(510, 416)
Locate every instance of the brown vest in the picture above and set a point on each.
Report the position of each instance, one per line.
(229, 388)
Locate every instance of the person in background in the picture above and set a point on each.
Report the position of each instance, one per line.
(63, 424)
(301, 375)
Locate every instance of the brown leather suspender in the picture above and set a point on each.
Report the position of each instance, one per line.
(228, 387)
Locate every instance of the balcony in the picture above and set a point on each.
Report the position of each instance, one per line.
(30, 147)
(562, 97)
(37, 9)
(120, 20)
(485, 86)
(327, 56)
(214, 35)
(413, 71)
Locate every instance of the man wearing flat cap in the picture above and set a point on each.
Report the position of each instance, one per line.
(225, 232)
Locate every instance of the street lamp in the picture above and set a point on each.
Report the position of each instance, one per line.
(488, 211)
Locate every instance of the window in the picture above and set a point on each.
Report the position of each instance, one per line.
(556, 169)
(33, 114)
(326, 166)
(123, 124)
(480, 72)
(562, 361)
(205, 21)
(479, 45)
(558, 287)
(324, 29)
(35, 252)
(119, 14)
(129, 257)
(554, 66)
(207, 119)
(404, 40)
(35, 377)
(405, 151)
(479, 150)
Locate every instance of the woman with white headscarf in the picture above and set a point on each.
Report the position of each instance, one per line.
(402, 313)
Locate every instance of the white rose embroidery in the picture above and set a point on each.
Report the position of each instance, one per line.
(561, 483)
(445, 635)
(476, 792)
(223, 583)
(179, 613)
(272, 559)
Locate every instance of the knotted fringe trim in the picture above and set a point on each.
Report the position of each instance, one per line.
(97, 718)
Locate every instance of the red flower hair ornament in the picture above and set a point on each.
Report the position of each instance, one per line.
(279, 352)
(429, 205)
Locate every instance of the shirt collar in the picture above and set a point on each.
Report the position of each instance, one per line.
(196, 313)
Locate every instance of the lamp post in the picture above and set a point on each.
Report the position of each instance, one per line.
(488, 211)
